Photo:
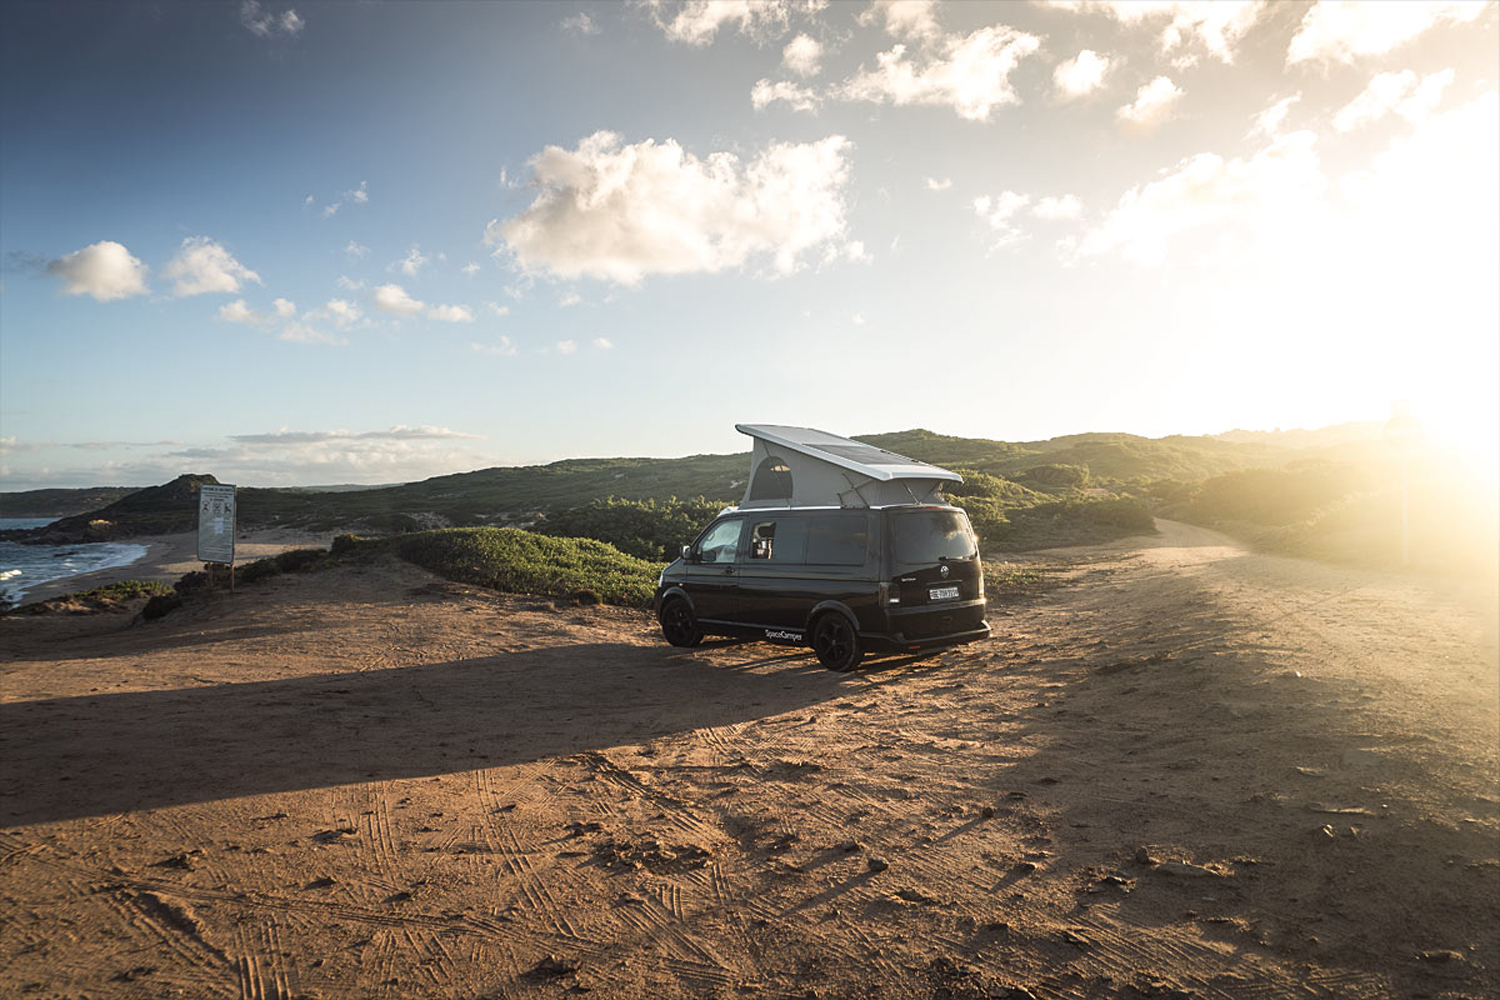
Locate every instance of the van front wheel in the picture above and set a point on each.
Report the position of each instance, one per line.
(678, 625)
(836, 643)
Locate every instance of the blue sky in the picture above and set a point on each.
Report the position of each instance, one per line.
(322, 243)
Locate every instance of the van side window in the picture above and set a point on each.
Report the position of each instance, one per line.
(837, 540)
(782, 541)
(721, 543)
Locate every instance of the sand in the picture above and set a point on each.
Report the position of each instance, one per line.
(1189, 771)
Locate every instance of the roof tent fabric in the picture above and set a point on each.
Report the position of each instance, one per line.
(802, 467)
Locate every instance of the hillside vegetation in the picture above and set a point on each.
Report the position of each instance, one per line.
(1351, 512)
(1332, 498)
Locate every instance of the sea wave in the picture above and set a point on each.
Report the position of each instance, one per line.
(25, 567)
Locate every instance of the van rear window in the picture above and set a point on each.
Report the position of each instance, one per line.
(922, 537)
(837, 540)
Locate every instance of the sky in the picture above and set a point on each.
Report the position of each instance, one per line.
(376, 242)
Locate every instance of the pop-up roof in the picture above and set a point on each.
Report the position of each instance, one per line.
(803, 467)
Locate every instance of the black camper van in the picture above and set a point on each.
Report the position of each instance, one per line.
(844, 577)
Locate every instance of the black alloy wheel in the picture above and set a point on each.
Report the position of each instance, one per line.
(836, 643)
(678, 626)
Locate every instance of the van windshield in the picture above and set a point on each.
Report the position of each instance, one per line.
(922, 537)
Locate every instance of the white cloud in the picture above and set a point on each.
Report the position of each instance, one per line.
(1153, 104)
(305, 333)
(399, 432)
(285, 309)
(105, 270)
(470, 269)
(800, 98)
(451, 314)
(238, 312)
(307, 202)
(1279, 190)
(330, 210)
(503, 349)
(262, 22)
(1402, 93)
(566, 347)
(802, 55)
(1268, 122)
(393, 299)
(356, 249)
(203, 266)
(402, 454)
(360, 195)
(1343, 31)
(348, 284)
(498, 309)
(603, 343)
(620, 212)
(934, 184)
(1066, 207)
(412, 262)
(343, 312)
(1218, 27)
(858, 319)
(969, 73)
(696, 22)
(910, 19)
(1081, 75)
(1000, 211)
(570, 299)
(579, 24)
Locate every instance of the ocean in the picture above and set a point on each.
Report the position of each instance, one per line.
(26, 567)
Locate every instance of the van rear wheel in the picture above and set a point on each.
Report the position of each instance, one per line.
(679, 625)
(836, 643)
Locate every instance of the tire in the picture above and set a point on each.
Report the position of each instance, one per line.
(836, 643)
(678, 624)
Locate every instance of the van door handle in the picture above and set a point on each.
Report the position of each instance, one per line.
(729, 571)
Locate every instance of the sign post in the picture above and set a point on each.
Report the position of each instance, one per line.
(216, 508)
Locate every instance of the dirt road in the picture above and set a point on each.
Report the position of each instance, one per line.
(1187, 771)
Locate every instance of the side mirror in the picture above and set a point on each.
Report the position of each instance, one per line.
(687, 553)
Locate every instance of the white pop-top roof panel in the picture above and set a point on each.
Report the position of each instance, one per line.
(866, 459)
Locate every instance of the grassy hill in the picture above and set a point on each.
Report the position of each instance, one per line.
(1021, 494)
(60, 503)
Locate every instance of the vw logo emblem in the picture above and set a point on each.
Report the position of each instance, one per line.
(943, 571)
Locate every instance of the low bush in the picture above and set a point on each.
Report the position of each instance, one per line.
(647, 529)
(1056, 476)
(1075, 522)
(518, 561)
(105, 598)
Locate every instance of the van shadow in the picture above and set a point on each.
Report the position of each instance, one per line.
(68, 758)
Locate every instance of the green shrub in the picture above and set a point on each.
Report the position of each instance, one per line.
(128, 590)
(291, 561)
(1056, 476)
(1076, 522)
(1276, 496)
(518, 561)
(160, 605)
(647, 529)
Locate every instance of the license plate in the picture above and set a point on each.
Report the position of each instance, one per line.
(943, 594)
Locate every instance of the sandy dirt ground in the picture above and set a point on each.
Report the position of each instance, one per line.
(168, 557)
(1187, 771)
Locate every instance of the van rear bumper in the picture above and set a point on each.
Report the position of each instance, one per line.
(896, 641)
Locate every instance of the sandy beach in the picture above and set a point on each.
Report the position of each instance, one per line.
(1190, 771)
(168, 557)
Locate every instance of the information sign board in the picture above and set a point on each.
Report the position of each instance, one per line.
(216, 523)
